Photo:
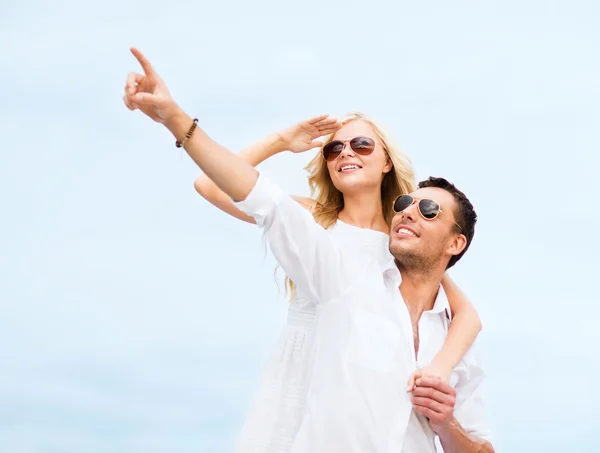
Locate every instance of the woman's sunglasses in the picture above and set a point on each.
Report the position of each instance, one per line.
(362, 146)
(429, 209)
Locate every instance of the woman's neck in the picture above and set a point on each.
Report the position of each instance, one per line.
(365, 211)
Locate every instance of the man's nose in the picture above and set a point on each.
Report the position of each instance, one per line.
(411, 212)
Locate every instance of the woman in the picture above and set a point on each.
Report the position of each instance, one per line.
(350, 205)
(355, 180)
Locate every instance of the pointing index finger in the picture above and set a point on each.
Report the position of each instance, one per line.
(146, 66)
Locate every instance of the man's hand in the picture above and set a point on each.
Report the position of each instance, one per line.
(434, 399)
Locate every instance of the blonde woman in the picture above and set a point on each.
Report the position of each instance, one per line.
(354, 179)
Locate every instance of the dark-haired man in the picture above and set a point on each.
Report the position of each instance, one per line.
(432, 230)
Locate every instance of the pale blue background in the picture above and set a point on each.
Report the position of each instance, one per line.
(135, 318)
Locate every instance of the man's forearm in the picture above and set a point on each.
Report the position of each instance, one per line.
(229, 172)
(455, 439)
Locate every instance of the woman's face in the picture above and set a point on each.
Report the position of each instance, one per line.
(351, 171)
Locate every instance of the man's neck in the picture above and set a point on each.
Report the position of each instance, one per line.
(419, 288)
(364, 210)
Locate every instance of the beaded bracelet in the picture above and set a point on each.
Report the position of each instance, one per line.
(178, 143)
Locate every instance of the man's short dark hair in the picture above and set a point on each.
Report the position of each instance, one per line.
(464, 213)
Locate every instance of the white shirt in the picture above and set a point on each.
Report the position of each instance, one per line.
(278, 407)
(363, 351)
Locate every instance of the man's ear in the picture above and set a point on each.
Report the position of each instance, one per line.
(457, 244)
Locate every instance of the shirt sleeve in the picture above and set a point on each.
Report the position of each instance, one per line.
(302, 247)
(470, 409)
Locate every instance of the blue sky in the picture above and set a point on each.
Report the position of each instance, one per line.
(134, 317)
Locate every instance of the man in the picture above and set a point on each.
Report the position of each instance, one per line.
(426, 241)
(357, 401)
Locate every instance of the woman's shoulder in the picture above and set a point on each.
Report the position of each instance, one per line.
(305, 202)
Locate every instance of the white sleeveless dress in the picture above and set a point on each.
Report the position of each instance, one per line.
(278, 407)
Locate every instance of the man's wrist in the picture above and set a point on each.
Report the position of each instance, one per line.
(446, 429)
(454, 438)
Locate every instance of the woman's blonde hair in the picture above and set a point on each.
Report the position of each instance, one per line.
(330, 201)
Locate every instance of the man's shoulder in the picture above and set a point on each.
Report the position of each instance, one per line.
(470, 369)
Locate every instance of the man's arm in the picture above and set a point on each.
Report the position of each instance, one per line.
(455, 439)
(436, 400)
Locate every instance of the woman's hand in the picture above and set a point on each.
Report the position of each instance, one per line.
(432, 371)
(304, 135)
(149, 93)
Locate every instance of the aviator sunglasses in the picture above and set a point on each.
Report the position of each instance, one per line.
(429, 209)
(362, 146)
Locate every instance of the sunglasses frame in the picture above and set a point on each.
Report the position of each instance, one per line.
(347, 142)
(414, 200)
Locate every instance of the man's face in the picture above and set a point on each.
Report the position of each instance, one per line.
(418, 243)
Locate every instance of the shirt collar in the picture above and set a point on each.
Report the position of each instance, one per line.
(441, 304)
(390, 269)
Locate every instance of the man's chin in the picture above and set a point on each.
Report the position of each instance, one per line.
(405, 253)
(400, 247)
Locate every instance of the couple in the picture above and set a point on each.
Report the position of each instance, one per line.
(366, 263)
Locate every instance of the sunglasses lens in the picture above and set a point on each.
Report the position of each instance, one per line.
(332, 150)
(429, 209)
(362, 145)
(402, 202)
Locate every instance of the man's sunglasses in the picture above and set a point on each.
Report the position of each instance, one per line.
(429, 209)
(362, 146)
